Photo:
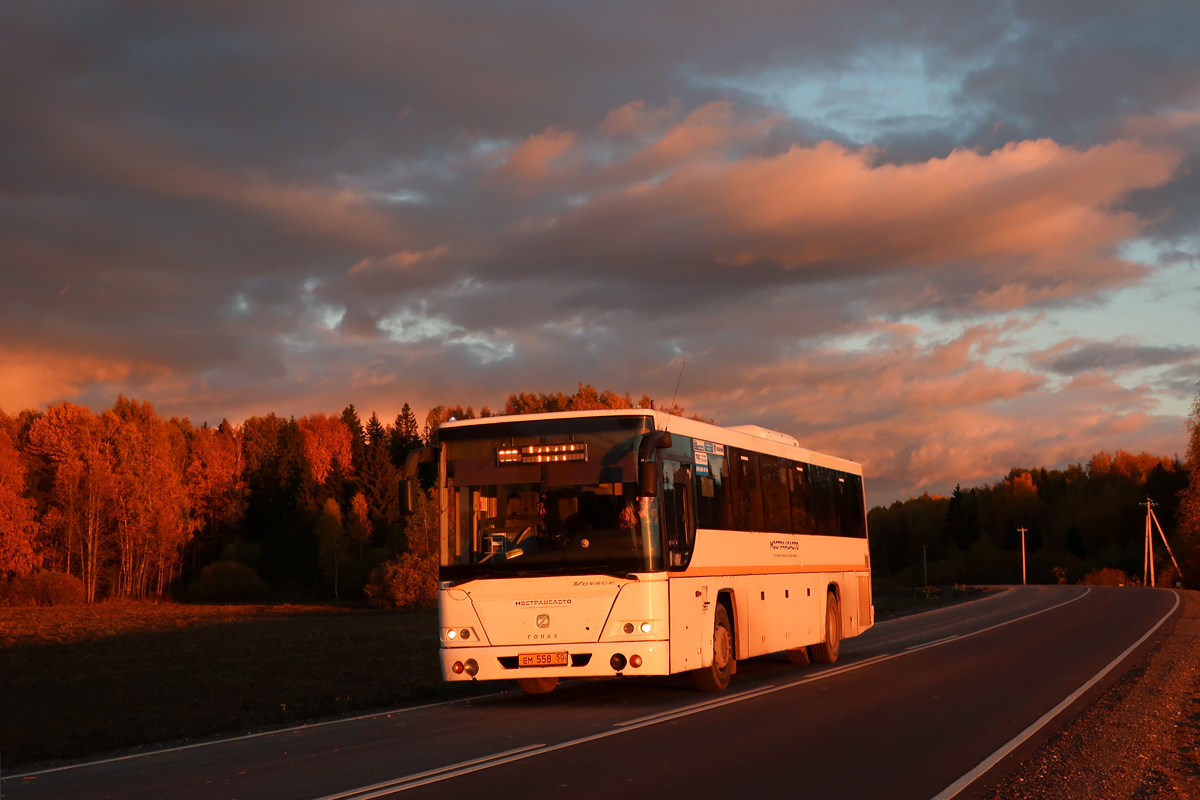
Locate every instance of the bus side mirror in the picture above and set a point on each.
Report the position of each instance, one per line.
(408, 496)
(647, 469)
(648, 479)
(408, 479)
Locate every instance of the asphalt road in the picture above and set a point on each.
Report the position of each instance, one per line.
(910, 708)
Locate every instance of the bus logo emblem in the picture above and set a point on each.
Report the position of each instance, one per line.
(543, 620)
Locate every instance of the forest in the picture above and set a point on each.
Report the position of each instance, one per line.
(124, 504)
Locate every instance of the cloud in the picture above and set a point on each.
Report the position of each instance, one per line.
(854, 225)
(1078, 355)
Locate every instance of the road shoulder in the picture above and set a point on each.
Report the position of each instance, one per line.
(1140, 738)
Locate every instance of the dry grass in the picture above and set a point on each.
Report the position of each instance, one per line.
(80, 681)
(893, 603)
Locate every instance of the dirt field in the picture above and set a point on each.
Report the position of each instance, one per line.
(80, 681)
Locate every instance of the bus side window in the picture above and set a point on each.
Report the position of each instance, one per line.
(800, 494)
(850, 505)
(712, 495)
(824, 501)
(777, 512)
(746, 494)
(678, 513)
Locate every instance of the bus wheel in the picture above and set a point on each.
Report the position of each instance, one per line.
(537, 685)
(827, 651)
(798, 655)
(715, 678)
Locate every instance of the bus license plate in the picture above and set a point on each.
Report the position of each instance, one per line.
(542, 659)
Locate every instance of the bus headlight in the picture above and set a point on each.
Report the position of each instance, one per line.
(450, 634)
(646, 628)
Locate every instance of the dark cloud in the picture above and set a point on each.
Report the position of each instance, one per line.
(1073, 357)
(233, 208)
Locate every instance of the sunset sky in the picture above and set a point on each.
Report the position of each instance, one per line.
(940, 238)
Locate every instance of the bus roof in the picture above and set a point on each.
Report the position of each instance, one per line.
(748, 437)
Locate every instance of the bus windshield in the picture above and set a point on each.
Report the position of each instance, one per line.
(547, 497)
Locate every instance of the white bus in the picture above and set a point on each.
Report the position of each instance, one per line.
(631, 542)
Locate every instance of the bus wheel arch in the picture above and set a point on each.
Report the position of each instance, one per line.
(726, 598)
(827, 650)
(715, 677)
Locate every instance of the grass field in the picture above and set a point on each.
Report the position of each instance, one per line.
(891, 603)
(80, 681)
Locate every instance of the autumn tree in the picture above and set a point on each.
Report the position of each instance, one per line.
(328, 443)
(76, 444)
(150, 502)
(216, 484)
(359, 528)
(18, 524)
(331, 534)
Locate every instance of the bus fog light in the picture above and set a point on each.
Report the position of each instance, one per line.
(646, 628)
(617, 662)
(457, 668)
(450, 634)
(635, 660)
(472, 667)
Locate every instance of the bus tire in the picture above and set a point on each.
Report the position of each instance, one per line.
(715, 677)
(798, 655)
(827, 651)
(537, 685)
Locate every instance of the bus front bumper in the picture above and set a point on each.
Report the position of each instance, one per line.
(584, 660)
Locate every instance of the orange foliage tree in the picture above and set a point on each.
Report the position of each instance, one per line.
(75, 443)
(327, 442)
(18, 525)
(151, 503)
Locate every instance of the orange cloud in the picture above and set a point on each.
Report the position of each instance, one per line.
(535, 156)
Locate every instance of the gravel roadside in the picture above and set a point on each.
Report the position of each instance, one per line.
(1140, 739)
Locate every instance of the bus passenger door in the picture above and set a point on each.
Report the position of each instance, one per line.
(678, 514)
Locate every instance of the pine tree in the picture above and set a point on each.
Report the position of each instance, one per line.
(404, 437)
(374, 432)
(358, 446)
(379, 480)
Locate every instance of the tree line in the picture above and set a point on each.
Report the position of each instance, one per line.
(1077, 520)
(132, 505)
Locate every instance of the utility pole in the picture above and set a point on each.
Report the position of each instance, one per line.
(925, 564)
(1149, 561)
(1022, 530)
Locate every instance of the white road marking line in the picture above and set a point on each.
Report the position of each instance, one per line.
(411, 781)
(273, 732)
(454, 771)
(961, 636)
(933, 643)
(991, 761)
(696, 706)
(490, 761)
